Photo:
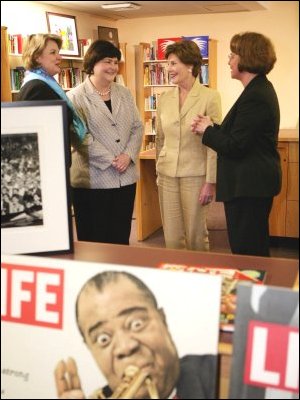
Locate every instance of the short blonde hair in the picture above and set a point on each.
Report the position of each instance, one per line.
(35, 45)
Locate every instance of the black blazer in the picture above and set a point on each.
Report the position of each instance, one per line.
(39, 90)
(246, 143)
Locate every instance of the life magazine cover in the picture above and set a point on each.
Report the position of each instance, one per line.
(101, 330)
(266, 344)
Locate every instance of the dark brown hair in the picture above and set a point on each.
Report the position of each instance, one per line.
(256, 52)
(97, 51)
(188, 53)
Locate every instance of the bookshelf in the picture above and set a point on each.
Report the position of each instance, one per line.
(71, 75)
(151, 80)
(284, 217)
(5, 72)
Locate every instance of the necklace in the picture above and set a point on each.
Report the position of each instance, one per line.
(103, 93)
(100, 93)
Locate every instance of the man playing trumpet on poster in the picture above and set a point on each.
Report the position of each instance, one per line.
(128, 336)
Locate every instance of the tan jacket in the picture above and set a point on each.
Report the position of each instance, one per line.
(110, 134)
(180, 153)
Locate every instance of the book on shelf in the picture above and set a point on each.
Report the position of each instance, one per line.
(204, 77)
(156, 74)
(16, 77)
(265, 360)
(15, 43)
(83, 45)
(230, 279)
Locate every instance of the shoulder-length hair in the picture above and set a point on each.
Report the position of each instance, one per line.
(256, 52)
(188, 53)
(35, 45)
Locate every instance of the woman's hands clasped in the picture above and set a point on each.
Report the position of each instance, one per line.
(121, 162)
(200, 123)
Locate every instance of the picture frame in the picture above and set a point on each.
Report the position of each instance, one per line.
(64, 26)
(109, 34)
(35, 199)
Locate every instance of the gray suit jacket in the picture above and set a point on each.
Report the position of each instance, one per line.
(110, 134)
(180, 153)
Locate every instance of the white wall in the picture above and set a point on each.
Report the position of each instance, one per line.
(27, 17)
(280, 22)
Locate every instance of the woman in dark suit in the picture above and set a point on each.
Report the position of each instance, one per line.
(248, 167)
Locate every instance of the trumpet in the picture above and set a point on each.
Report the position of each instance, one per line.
(132, 380)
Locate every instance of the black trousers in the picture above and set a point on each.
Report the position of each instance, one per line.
(104, 215)
(248, 225)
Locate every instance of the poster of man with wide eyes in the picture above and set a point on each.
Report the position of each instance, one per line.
(75, 329)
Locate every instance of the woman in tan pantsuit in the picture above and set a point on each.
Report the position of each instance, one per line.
(186, 168)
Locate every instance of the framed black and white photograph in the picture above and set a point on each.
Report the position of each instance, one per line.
(109, 34)
(35, 203)
(65, 27)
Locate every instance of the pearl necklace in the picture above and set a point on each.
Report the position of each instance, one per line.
(101, 93)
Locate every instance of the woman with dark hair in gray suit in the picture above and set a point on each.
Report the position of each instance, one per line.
(248, 168)
(103, 172)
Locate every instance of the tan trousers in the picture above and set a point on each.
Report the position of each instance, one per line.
(183, 217)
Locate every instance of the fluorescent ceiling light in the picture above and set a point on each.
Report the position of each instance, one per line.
(121, 6)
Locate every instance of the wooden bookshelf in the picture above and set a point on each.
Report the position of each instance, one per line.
(284, 217)
(5, 68)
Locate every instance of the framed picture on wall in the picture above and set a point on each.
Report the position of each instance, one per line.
(64, 26)
(35, 201)
(109, 34)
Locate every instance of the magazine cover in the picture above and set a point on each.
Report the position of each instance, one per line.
(265, 361)
(89, 330)
(230, 279)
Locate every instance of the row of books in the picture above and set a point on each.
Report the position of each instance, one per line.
(16, 77)
(70, 77)
(15, 44)
(150, 126)
(156, 74)
(204, 77)
(157, 49)
(150, 145)
(151, 102)
(83, 45)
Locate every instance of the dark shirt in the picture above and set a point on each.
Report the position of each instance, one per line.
(39, 90)
(197, 379)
